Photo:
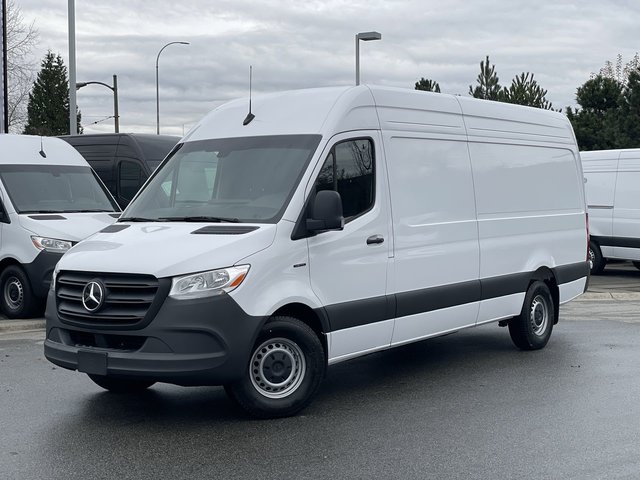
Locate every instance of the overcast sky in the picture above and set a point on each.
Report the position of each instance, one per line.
(300, 44)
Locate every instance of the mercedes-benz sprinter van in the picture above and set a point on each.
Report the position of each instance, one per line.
(123, 161)
(613, 201)
(324, 225)
(49, 200)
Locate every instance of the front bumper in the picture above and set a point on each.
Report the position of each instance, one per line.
(40, 272)
(189, 342)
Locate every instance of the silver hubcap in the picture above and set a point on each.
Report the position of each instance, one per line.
(539, 315)
(13, 293)
(592, 257)
(277, 368)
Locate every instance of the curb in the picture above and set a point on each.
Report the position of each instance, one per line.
(611, 296)
(14, 326)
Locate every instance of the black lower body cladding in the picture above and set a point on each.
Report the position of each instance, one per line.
(40, 272)
(203, 341)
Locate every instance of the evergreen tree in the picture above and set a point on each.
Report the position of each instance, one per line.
(488, 83)
(428, 85)
(628, 131)
(597, 120)
(524, 90)
(48, 107)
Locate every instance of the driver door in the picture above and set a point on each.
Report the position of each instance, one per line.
(348, 268)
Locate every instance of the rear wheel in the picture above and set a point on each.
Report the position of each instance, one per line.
(284, 372)
(120, 385)
(596, 261)
(531, 329)
(16, 297)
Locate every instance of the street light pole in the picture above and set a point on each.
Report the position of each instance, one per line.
(116, 114)
(365, 36)
(73, 115)
(114, 89)
(158, 85)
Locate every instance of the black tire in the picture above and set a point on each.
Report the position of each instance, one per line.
(532, 328)
(120, 385)
(16, 297)
(284, 372)
(596, 261)
(636, 264)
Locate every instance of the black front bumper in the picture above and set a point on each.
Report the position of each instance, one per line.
(40, 272)
(189, 342)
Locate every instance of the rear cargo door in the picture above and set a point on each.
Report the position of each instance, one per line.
(626, 211)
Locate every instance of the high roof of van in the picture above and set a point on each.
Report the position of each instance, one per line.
(327, 111)
(614, 154)
(26, 150)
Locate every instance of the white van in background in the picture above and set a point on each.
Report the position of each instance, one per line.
(325, 225)
(613, 200)
(49, 200)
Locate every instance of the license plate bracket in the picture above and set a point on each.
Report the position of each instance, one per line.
(94, 363)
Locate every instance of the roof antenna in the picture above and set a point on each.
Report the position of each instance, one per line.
(250, 116)
(41, 152)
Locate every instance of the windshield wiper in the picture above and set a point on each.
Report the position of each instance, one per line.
(138, 219)
(201, 218)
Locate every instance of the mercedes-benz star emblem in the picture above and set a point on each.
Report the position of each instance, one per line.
(92, 296)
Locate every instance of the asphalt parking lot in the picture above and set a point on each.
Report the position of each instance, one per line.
(466, 406)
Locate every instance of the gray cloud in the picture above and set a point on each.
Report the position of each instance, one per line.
(309, 44)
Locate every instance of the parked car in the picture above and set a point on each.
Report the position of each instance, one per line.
(325, 225)
(613, 199)
(49, 200)
(123, 161)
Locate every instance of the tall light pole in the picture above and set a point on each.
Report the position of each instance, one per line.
(365, 36)
(73, 115)
(114, 89)
(158, 87)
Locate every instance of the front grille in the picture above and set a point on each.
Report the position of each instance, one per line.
(130, 300)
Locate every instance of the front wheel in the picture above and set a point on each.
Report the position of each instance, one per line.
(596, 261)
(284, 372)
(120, 385)
(532, 328)
(16, 296)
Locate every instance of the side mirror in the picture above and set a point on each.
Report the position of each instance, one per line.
(326, 212)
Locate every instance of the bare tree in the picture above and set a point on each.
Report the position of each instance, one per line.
(21, 39)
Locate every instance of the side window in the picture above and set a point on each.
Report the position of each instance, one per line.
(349, 170)
(130, 178)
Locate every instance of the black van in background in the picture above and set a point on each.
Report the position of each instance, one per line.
(123, 161)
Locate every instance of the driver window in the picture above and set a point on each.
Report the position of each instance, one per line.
(349, 170)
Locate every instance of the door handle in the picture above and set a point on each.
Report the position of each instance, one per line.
(375, 239)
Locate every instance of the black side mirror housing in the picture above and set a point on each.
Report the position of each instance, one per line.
(326, 212)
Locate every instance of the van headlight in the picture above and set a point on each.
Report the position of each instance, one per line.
(51, 244)
(208, 284)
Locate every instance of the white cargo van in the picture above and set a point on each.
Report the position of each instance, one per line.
(613, 200)
(49, 200)
(327, 224)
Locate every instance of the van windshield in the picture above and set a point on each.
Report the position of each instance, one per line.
(55, 189)
(248, 179)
